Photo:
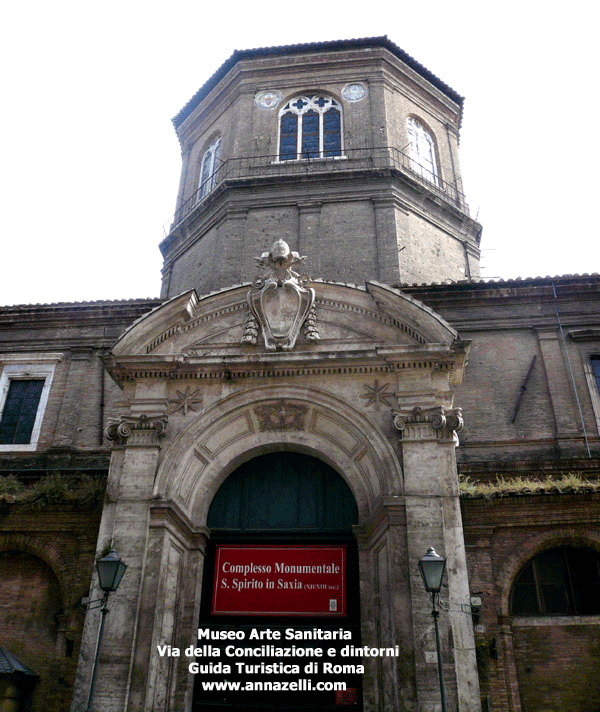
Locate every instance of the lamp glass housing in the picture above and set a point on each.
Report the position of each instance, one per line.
(432, 567)
(110, 571)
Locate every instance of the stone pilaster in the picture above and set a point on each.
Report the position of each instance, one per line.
(232, 232)
(389, 681)
(507, 656)
(170, 603)
(309, 216)
(124, 526)
(79, 373)
(562, 395)
(433, 519)
(388, 267)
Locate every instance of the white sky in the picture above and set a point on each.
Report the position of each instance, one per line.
(90, 162)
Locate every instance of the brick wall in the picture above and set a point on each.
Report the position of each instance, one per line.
(46, 563)
(557, 666)
(542, 664)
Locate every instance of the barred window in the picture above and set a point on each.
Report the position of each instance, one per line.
(422, 150)
(310, 127)
(558, 582)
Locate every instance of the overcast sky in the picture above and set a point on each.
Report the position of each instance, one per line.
(90, 161)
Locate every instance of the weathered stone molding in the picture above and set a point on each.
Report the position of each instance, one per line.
(264, 419)
(437, 423)
(167, 515)
(141, 431)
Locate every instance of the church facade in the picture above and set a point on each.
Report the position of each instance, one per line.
(324, 390)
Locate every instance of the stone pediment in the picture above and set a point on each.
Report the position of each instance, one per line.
(348, 318)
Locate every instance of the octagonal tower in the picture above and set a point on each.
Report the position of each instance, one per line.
(347, 150)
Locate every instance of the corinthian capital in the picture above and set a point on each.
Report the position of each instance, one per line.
(437, 423)
(139, 430)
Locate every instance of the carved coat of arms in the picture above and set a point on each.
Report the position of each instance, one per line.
(280, 300)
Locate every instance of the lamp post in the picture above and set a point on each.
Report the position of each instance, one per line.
(110, 572)
(432, 567)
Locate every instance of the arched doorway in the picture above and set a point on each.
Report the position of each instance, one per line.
(281, 574)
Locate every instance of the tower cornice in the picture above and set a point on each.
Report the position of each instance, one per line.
(309, 48)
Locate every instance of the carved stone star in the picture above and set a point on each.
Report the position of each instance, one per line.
(377, 394)
(187, 401)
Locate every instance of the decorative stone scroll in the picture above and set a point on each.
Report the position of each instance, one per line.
(429, 423)
(280, 301)
(136, 430)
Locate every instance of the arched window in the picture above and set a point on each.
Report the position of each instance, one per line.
(558, 582)
(310, 127)
(210, 165)
(422, 150)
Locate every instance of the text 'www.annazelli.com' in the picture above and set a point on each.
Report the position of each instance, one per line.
(271, 686)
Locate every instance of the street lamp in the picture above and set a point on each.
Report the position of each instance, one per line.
(110, 572)
(432, 567)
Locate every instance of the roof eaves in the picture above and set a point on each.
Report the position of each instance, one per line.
(10, 665)
(304, 48)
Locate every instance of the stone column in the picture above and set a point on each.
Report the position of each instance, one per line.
(124, 526)
(433, 519)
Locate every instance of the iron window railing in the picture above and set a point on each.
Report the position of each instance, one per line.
(358, 159)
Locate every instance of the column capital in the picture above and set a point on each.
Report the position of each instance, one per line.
(436, 423)
(141, 430)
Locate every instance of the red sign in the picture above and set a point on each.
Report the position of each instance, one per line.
(280, 581)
